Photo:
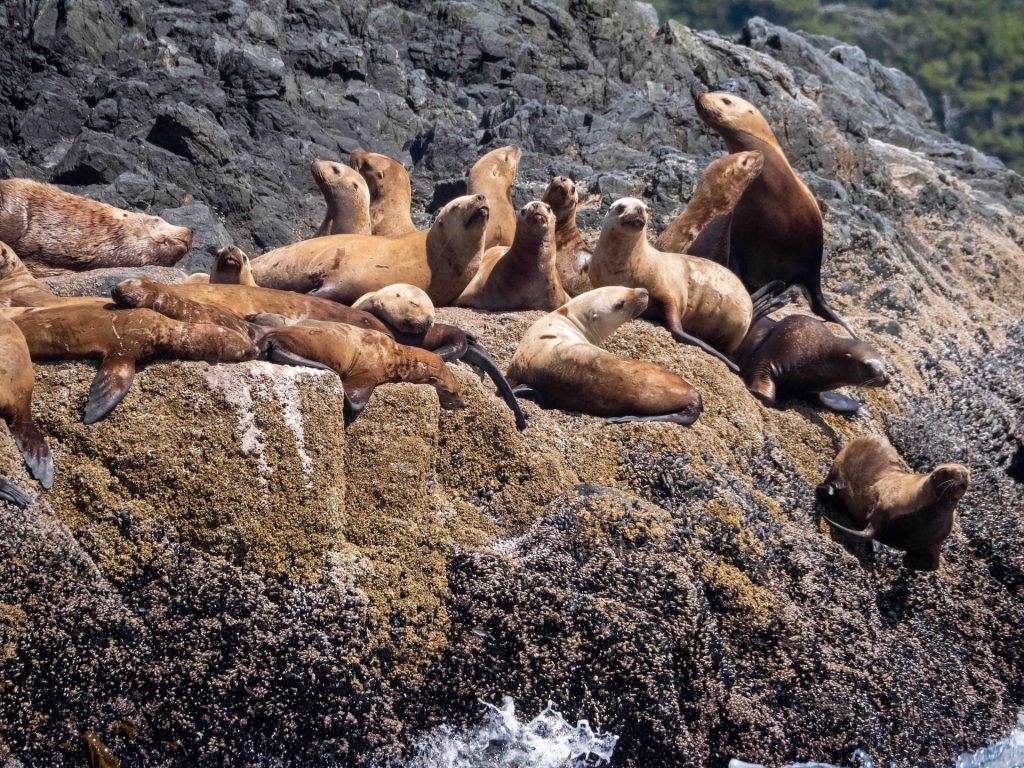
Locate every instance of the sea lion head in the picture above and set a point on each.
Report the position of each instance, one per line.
(165, 243)
(466, 213)
(339, 181)
(404, 307)
(228, 258)
(136, 293)
(867, 365)
(732, 116)
(376, 170)
(950, 481)
(501, 164)
(602, 310)
(627, 215)
(562, 196)
(9, 260)
(535, 219)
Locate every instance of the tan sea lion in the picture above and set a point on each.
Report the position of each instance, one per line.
(895, 506)
(718, 190)
(403, 308)
(18, 288)
(231, 267)
(54, 231)
(16, 384)
(776, 230)
(492, 175)
(700, 302)
(799, 356)
(523, 276)
(390, 193)
(347, 197)
(441, 260)
(120, 339)
(560, 360)
(363, 359)
(573, 257)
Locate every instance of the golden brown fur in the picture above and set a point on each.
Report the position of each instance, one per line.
(18, 288)
(492, 175)
(574, 254)
(390, 193)
(347, 197)
(16, 385)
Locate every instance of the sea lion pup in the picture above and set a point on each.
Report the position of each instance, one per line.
(12, 494)
(718, 190)
(120, 339)
(523, 276)
(492, 175)
(700, 302)
(441, 260)
(574, 255)
(362, 359)
(347, 197)
(390, 193)
(897, 507)
(776, 230)
(54, 231)
(561, 361)
(16, 384)
(799, 356)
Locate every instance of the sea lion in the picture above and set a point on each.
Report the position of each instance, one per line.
(441, 260)
(700, 302)
(776, 230)
(54, 231)
(362, 359)
(573, 254)
(908, 511)
(403, 308)
(16, 384)
(718, 190)
(231, 267)
(492, 175)
(18, 288)
(799, 356)
(12, 494)
(121, 338)
(523, 276)
(390, 193)
(560, 359)
(347, 197)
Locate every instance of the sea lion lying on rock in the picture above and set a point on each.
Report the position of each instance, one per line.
(18, 288)
(492, 175)
(574, 254)
(390, 193)
(16, 384)
(347, 197)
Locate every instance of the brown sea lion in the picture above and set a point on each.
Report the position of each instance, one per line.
(347, 197)
(799, 356)
(54, 231)
(231, 267)
(18, 288)
(390, 193)
(16, 384)
(574, 254)
(441, 260)
(700, 302)
(362, 359)
(120, 339)
(902, 509)
(718, 190)
(560, 360)
(776, 230)
(492, 175)
(523, 276)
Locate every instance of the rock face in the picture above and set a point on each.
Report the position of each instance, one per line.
(225, 573)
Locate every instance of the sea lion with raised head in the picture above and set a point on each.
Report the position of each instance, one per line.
(390, 193)
(560, 361)
(524, 275)
(54, 231)
(718, 190)
(231, 267)
(574, 254)
(441, 260)
(16, 385)
(776, 231)
(492, 175)
(347, 196)
(902, 509)
(799, 356)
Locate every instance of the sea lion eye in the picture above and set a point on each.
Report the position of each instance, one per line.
(336, 171)
(620, 304)
(727, 101)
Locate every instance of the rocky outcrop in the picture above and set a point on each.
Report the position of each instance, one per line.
(227, 573)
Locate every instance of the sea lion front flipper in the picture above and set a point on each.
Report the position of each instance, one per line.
(11, 493)
(276, 353)
(357, 395)
(868, 534)
(766, 300)
(684, 338)
(927, 559)
(763, 388)
(835, 402)
(112, 382)
(529, 393)
(330, 291)
(821, 308)
(34, 450)
(682, 419)
(325, 227)
(477, 357)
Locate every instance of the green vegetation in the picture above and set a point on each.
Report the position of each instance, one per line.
(967, 55)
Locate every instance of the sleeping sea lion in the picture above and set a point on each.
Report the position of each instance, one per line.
(16, 384)
(492, 175)
(574, 255)
(390, 193)
(18, 288)
(347, 197)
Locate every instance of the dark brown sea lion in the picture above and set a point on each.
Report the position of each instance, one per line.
(523, 276)
(560, 360)
(893, 505)
(390, 193)
(54, 231)
(16, 385)
(492, 175)
(574, 254)
(347, 197)
(799, 356)
(776, 229)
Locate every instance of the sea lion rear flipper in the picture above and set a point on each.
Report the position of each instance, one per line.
(529, 393)
(112, 382)
(276, 353)
(357, 395)
(686, 338)
(927, 559)
(835, 402)
(868, 534)
(34, 450)
(11, 493)
(477, 357)
(267, 319)
(766, 300)
(330, 291)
